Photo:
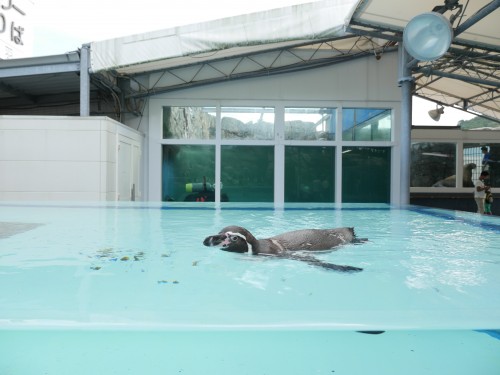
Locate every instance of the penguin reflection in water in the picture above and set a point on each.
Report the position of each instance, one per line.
(287, 245)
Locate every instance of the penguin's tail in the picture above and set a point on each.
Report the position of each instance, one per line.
(359, 240)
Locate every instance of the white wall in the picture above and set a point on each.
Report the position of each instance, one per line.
(64, 158)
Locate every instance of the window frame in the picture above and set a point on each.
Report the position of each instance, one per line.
(279, 141)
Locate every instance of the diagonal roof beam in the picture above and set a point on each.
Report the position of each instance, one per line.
(263, 72)
(427, 70)
(476, 17)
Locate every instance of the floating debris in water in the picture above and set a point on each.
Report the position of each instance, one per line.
(104, 253)
(167, 281)
(139, 256)
(110, 254)
(165, 255)
(195, 263)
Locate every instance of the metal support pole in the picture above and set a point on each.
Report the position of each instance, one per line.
(85, 80)
(405, 81)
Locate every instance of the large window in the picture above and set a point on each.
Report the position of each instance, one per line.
(366, 174)
(310, 123)
(485, 157)
(366, 124)
(433, 165)
(258, 151)
(247, 173)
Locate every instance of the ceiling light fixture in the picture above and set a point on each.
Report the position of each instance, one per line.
(428, 36)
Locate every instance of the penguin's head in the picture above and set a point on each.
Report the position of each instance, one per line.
(234, 239)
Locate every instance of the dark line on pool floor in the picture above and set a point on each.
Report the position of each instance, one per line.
(450, 217)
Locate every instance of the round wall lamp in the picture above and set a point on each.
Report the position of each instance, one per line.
(428, 36)
(436, 113)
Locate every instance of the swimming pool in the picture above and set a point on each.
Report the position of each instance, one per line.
(117, 289)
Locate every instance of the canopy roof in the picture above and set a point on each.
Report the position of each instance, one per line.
(468, 75)
(298, 37)
(315, 34)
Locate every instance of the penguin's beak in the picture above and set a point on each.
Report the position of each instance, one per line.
(214, 240)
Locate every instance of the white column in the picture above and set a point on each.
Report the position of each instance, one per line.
(85, 80)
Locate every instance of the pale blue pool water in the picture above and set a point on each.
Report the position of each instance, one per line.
(130, 289)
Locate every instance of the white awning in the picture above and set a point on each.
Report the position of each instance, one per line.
(246, 33)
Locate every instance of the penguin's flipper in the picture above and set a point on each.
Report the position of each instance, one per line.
(319, 263)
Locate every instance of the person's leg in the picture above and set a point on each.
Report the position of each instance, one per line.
(480, 205)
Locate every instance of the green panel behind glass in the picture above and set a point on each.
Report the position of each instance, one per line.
(186, 164)
(247, 173)
(366, 174)
(309, 174)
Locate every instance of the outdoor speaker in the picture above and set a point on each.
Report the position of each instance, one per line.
(428, 36)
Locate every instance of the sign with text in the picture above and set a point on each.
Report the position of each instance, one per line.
(16, 31)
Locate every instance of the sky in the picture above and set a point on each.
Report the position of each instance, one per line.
(64, 25)
(450, 117)
(61, 26)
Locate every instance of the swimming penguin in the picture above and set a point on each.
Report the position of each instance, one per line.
(240, 240)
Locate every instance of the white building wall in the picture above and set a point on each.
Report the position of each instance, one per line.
(62, 158)
(364, 82)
